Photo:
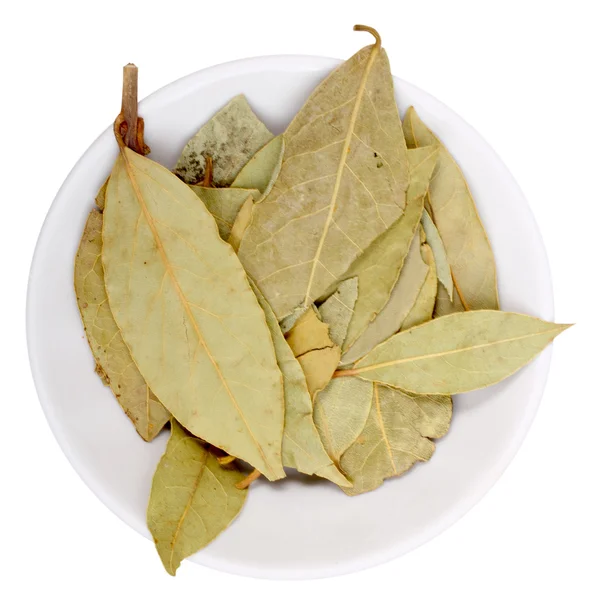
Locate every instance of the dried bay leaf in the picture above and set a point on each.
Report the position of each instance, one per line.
(224, 204)
(340, 412)
(193, 498)
(312, 346)
(241, 223)
(457, 353)
(443, 270)
(388, 445)
(337, 310)
(342, 183)
(188, 315)
(429, 414)
(114, 364)
(230, 139)
(467, 246)
(380, 265)
(262, 170)
(444, 305)
(424, 305)
(403, 297)
(302, 446)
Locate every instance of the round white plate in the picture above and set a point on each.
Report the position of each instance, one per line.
(296, 528)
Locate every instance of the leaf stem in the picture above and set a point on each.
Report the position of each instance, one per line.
(370, 30)
(225, 460)
(345, 373)
(245, 483)
(129, 127)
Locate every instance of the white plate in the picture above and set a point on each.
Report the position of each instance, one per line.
(296, 528)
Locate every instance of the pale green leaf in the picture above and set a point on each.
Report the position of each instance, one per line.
(388, 445)
(302, 446)
(379, 266)
(424, 305)
(113, 362)
(193, 498)
(241, 223)
(400, 303)
(467, 246)
(337, 310)
(262, 170)
(312, 346)
(457, 353)
(230, 139)
(188, 315)
(342, 183)
(340, 412)
(443, 270)
(224, 204)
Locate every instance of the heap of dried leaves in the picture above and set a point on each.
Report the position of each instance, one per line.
(310, 300)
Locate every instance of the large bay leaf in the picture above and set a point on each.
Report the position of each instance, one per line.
(388, 445)
(424, 305)
(444, 305)
(457, 353)
(113, 360)
(262, 170)
(225, 204)
(302, 446)
(337, 310)
(400, 303)
(379, 266)
(317, 354)
(193, 498)
(188, 315)
(443, 270)
(467, 246)
(340, 412)
(230, 139)
(342, 183)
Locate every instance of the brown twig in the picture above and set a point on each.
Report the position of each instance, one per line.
(242, 485)
(370, 30)
(129, 126)
(207, 180)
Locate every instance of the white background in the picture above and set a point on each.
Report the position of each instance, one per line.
(516, 70)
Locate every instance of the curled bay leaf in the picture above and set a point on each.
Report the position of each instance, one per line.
(262, 170)
(340, 412)
(379, 266)
(388, 445)
(424, 305)
(403, 297)
(193, 498)
(224, 204)
(443, 270)
(241, 223)
(317, 354)
(113, 361)
(444, 305)
(229, 139)
(337, 310)
(467, 246)
(302, 446)
(188, 315)
(457, 353)
(342, 183)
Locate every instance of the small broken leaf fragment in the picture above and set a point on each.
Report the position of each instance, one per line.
(342, 183)
(388, 445)
(113, 361)
(340, 412)
(337, 310)
(443, 270)
(262, 170)
(424, 305)
(193, 498)
(188, 315)
(457, 353)
(467, 246)
(302, 446)
(317, 354)
(379, 266)
(230, 138)
(400, 303)
(224, 204)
